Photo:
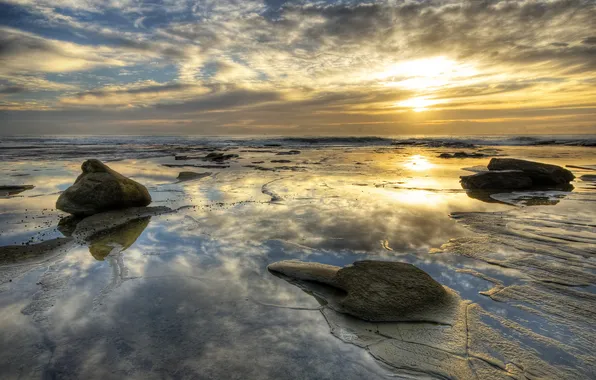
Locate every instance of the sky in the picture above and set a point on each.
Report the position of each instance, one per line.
(275, 67)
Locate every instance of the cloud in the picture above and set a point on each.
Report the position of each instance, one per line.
(139, 22)
(4, 90)
(331, 59)
(133, 94)
(22, 52)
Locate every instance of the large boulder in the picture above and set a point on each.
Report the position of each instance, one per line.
(541, 174)
(99, 189)
(497, 180)
(377, 291)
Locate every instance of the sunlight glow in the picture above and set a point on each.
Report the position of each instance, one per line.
(422, 74)
(419, 104)
(418, 163)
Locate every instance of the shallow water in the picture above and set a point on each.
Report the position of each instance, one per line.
(187, 294)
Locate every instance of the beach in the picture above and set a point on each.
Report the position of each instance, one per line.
(181, 289)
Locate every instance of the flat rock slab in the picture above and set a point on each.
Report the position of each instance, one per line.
(374, 290)
(7, 190)
(18, 254)
(91, 227)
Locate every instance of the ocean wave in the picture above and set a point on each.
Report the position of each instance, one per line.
(123, 147)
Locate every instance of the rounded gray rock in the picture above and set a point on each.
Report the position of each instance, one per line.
(99, 189)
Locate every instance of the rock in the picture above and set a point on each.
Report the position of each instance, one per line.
(67, 225)
(541, 174)
(100, 188)
(494, 180)
(18, 254)
(14, 189)
(196, 166)
(219, 157)
(96, 225)
(281, 161)
(288, 153)
(188, 176)
(376, 291)
(306, 271)
(462, 155)
(258, 167)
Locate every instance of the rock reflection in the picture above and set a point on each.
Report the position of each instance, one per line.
(538, 197)
(117, 240)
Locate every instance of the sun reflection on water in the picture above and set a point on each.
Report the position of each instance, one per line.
(418, 163)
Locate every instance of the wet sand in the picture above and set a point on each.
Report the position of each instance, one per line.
(183, 291)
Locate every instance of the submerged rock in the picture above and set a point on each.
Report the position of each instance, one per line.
(100, 188)
(188, 176)
(462, 155)
(377, 291)
(196, 166)
(288, 153)
(510, 179)
(14, 189)
(18, 254)
(219, 157)
(541, 174)
(91, 227)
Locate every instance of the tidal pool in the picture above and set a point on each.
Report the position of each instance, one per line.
(186, 294)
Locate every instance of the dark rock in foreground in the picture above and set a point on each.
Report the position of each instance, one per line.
(100, 188)
(513, 174)
(511, 179)
(377, 291)
(541, 174)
